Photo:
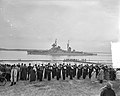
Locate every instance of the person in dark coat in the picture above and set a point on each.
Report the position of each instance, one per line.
(79, 72)
(71, 72)
(28, 71)
(87, 68)
(107, 91)
(97, 70)
(40, 73)
(57, 73)
(84, 72)
(21, 72)
(54, 71)
(67, 70)
(69, 67)
(18, 71)
(74, 70)
(63, 71)
(32, 74)
(8, 71)
(112, 74)
(59, 69)
(49, 72)
(24, 72)
(90, 71)
(42, 69)
(45, 73)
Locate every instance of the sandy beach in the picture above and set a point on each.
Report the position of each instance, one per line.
(56, 88)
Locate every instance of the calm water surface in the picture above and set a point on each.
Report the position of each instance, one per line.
(19, 55)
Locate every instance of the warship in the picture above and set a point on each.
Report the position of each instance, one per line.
(57, 51)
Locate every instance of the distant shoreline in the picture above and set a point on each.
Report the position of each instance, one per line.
(55, 61)
(4, 49)
(28, 60)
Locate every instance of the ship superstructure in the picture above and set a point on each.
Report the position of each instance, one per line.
(56, 50)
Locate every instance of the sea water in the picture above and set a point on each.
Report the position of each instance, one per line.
(10, 56)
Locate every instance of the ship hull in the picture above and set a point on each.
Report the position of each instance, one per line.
(60, 54)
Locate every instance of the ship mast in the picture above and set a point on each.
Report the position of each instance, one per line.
(56, 42)
(68, 45)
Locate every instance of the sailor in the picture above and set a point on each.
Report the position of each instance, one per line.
(13, 75)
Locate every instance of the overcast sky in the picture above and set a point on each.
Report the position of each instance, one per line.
(90, 25)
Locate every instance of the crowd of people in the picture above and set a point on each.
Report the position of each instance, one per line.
(56, 71)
